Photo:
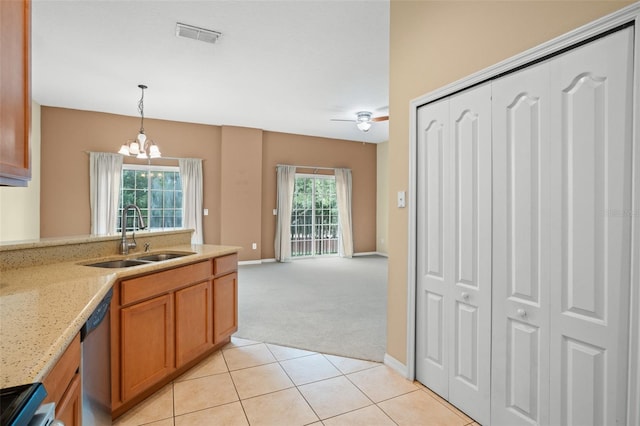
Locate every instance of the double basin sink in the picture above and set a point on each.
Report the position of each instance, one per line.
(140, 260)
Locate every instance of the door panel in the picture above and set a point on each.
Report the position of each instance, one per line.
(434, 266)
(590, 250)
(470, 300)
(583, 368)
(520, 348)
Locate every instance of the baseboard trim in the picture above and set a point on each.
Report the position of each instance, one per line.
(396, 365)
(370, 253)
(249, 262)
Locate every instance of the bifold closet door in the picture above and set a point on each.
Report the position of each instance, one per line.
(562, 146)
(590, 251)
(453, 330)
(520, 351)
(434, 247)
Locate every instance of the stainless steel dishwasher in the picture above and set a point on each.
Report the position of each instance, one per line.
(95, 336)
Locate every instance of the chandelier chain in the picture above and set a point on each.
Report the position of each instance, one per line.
(141, 110)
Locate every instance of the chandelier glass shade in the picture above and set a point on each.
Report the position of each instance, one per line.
(141, 147)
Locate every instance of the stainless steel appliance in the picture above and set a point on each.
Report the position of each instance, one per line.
(96, 366)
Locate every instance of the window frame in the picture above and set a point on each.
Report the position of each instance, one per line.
(147, 211)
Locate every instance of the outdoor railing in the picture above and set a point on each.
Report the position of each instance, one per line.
(306, 245)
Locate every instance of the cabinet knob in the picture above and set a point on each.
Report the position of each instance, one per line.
(465, 295)
(521, 313)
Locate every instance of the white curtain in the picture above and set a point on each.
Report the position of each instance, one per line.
(105, 171)
(191, 175)
(343, 194)
(286, 179)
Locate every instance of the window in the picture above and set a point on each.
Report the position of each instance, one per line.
(157, 191)
(314, 216)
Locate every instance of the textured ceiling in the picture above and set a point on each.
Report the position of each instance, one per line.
(286, 66)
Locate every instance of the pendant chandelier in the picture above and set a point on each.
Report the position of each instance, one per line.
(141, 147)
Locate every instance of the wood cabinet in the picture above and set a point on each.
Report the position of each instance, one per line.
(146, 338)
(193, 322)
(15, 92)
(165, 322)
(225, 306)
(63, 384)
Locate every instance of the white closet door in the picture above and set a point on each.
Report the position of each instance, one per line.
(435, 242)
(453, 312)
(470, 301)
(520, 351)
(590, 247)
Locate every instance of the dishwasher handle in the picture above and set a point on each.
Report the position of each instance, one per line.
(97, 316)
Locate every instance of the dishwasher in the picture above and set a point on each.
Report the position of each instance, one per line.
(95, 336)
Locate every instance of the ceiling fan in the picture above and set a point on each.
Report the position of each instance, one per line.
(364, 120)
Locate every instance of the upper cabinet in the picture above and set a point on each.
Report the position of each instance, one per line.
(15, 92)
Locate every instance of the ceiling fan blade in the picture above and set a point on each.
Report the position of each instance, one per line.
(381, 118)
(341, 119)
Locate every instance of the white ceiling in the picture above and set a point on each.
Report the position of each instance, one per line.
(287, 66)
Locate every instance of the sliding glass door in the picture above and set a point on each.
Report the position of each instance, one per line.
(314, 216)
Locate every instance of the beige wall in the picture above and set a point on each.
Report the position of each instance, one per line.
(241, 192)
(298, 150)
(433, 43)
(20, 207)
(238, 172)
(382, 217)
(67, 135)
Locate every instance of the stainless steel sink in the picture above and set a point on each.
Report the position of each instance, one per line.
(123, 263)
(159, 257)
(141, 260)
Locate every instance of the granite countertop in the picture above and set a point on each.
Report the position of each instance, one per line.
(42, 308)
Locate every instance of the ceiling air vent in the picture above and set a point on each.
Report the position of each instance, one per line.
(201, 34)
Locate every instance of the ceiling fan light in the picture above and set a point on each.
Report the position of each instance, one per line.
(363, 116)
(364, 125)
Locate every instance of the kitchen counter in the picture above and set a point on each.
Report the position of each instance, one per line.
(43, 307)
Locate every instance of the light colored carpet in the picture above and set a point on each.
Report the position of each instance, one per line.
(330, 305)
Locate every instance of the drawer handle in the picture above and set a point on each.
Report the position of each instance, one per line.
(521, 313)
(465, 296)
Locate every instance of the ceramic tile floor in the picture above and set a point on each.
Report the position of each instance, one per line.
(252, 383)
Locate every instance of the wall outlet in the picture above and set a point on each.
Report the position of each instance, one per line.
(254, 246)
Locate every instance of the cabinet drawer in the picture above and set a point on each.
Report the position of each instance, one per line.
(225, 264)
(161, 282)
(63, 372)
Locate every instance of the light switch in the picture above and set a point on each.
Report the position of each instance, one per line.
(275, 212)
(206, 212)
(401, 199)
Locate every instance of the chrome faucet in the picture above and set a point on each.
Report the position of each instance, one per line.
(124, 244)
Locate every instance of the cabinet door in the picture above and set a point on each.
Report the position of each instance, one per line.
(69, 409)
(225, 306)
(592, 142)
(147, 346)
(15, 92)
(520, 347)
(194, 320)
